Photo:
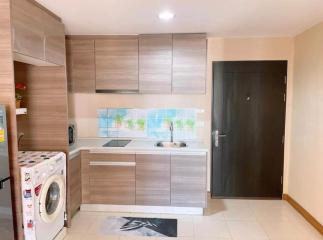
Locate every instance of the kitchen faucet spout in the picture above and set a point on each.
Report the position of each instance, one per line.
(171, 129)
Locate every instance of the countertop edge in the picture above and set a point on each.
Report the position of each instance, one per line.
(195, 151)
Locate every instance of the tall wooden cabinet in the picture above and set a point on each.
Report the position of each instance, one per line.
(116, 61)
(153, 179)
(155, 63)
(189, 63)
(81, 65)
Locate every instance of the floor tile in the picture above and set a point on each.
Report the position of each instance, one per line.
(246, 230)
(185, 228)
(282, 230)
(239, 213)
(209, 228)
(73, 236)
(228, 219)
(98, 237)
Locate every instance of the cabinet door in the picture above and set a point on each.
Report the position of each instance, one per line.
(112, 184)
(112, 179)
(155, 63)
(28, 34)
(188, 180)
(75, 188)
(54, 40)
(116, 64)
(189, 63)
(152, 180)
(80, 65)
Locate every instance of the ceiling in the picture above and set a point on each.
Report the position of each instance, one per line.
(221, 18)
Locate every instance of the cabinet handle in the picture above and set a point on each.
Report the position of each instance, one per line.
(120, 164)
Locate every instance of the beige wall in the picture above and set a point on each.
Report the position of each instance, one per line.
(83, 106)
(306, 160)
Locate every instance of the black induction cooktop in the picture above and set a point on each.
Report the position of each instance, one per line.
(117, 143)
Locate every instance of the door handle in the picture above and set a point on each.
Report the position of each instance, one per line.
(217, 136)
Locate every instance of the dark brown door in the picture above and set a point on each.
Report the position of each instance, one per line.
(248, 124)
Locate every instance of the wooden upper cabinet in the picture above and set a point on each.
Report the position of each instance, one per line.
(116, 60)
(54, 40)
(38, 36)
(189, 63)
(188, 180)
(80, 65)
(27, 24)
(155, 63)
(153, 179)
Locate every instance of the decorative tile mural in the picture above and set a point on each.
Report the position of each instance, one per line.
(147, 123)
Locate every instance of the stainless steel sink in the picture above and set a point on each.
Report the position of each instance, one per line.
(166, 144)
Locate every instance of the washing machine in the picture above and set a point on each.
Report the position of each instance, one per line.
(43, 185)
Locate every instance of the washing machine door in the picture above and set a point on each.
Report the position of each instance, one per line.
(52, 198)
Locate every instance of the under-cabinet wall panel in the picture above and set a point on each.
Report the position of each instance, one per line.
(188, 180)
(80, 65)
(153, 179)
(155, 63)
(116, 60)
(189, 63)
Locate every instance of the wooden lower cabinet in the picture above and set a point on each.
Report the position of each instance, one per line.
(75, 187)
(111, 178)
(112, 185)
(188, 180)
(144, 179)
(152, 179)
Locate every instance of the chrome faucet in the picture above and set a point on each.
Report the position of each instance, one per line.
(171, 129)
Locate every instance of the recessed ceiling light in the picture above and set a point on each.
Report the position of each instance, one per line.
(166, 15)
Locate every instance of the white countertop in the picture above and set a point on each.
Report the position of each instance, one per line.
(135, 146)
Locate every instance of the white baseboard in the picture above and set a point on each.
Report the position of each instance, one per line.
(142, 209)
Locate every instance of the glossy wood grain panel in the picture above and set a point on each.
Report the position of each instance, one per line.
(80, 65)
(7, 98)
(155, 63)
(188, 180)
(152, 180)
(75, 183)
(45, 125)
(85, 170)
(189, 63)
(54, 40)
(27, 25)
(112, 157)
(112, 185)
(117, 63)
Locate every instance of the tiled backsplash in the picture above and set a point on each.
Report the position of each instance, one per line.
(148, 123)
